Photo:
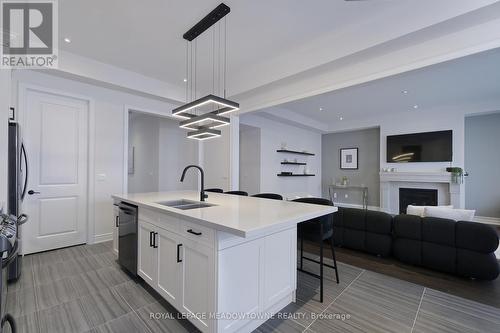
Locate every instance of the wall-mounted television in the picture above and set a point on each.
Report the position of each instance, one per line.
(420, 147)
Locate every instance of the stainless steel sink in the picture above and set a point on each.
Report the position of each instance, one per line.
(185, 204)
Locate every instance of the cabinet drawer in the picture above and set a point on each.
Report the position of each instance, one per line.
(197, 233)
(160, 220)
(148, 215)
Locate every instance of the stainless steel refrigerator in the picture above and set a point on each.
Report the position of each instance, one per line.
(17, 182)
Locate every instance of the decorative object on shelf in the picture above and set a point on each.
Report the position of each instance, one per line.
(286, 173)
(295, 160)
(349, 158)
(457, 174)
(345, 181)
(202, 116)
(283, 145)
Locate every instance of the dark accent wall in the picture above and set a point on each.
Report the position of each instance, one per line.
(482, 161)
(368, 142)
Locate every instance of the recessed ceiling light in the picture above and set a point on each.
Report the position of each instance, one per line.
(67, 40)
(185, 80)
(341, 118)
(404, 92)
(415, 106)
(321, 109)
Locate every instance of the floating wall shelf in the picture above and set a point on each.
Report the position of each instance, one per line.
(294, 163)
(294, 152)
(296, 175)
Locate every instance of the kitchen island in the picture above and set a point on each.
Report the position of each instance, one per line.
(226, 267)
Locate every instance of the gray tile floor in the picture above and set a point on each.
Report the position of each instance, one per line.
(82, 289)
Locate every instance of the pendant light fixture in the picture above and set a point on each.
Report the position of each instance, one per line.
(201, 116)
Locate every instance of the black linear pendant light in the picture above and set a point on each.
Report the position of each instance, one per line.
(203, 115)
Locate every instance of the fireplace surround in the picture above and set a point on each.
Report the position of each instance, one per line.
(449, 193)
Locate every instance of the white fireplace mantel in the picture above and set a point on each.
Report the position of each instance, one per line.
(449, 193)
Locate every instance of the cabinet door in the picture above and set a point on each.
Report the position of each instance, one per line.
(169, 263)
(115, 229)
(146, 261)
(198, 283)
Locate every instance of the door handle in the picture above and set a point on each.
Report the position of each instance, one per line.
(154, 240)
(23, 152)
(191, 231)
(31, 192)
(178, 252)
(117, 223)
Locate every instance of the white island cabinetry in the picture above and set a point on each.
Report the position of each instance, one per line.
(226, 268)
(219, 285)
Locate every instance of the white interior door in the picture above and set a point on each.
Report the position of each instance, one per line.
(56, 138)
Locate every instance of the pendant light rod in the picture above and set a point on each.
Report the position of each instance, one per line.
(213, 17)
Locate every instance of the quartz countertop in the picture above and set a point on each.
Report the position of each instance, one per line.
(238, 215)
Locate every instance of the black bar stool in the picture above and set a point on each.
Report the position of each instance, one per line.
(317, 230)
(214, 190)
(273, 196)
(243, 193)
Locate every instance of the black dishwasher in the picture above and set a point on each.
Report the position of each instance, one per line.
(127, 237)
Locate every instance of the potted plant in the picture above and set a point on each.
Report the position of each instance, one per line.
(457, 174)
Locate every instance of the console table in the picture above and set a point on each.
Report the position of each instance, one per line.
(363, 189)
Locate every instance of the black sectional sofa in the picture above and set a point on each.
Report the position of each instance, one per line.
(461, 248)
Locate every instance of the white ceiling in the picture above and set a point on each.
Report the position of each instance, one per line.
(267, 39)
(468, 80)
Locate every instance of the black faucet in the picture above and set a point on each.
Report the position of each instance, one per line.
(203, 196)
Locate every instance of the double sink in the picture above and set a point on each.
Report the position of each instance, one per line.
(185, 204)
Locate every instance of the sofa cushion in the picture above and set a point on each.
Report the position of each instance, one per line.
(439, 257)
(378, 222)
(354, 239)
(477, 265)
(438, 231)
(476, 237)
(353, 218)
(408, 251)
(408, 226)
(338, 236)
(378, 244)
(449, 213)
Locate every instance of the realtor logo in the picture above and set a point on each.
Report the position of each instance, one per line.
(29, 34)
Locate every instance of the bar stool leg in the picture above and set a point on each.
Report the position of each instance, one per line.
(321, 266)
(334, 260)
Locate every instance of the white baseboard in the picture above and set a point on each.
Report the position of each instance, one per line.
(103, 237)
(487, 220)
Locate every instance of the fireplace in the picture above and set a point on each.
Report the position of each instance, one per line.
(416, 197)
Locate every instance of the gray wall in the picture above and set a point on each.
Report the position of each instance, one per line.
(482, 161)
(368, 142)
(250, 159)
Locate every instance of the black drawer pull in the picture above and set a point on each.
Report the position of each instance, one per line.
(154, 240)
(178, 252)
(150, 239)
(116, 221)
(194, 232)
